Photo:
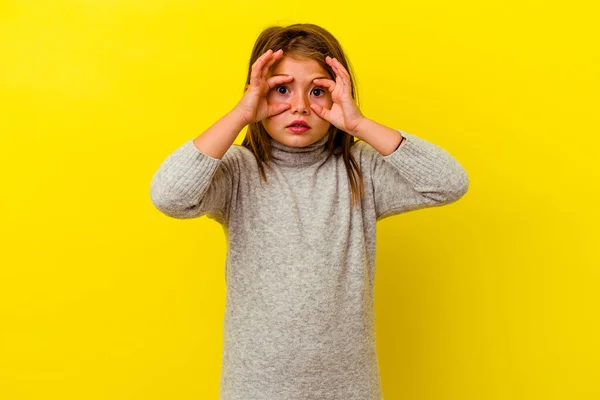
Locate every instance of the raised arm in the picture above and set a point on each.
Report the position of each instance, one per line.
(411, 174)
(197, 179)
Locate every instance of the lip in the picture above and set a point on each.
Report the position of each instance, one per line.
(298, 129)
(299, 121)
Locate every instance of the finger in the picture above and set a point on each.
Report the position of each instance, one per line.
(321, 111)
(262, 57)
(347, 78)
(277, 108)
(274, 58)
(263, 66)
(328, 83)
(279, 79)
(342, 69)
(257, 66)
(343, 82)
(335, 69)
(339, 79)
(341, 72)
(333, 65)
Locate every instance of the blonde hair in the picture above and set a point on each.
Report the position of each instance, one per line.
(307, 41)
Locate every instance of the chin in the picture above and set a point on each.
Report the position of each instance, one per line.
(301, 139)
(292, 139)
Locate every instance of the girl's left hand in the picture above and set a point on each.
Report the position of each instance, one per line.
(344, 113)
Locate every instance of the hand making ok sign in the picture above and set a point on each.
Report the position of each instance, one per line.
(344, 113)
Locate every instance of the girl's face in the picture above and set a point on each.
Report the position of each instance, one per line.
(300, 93)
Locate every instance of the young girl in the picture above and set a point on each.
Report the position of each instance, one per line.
(298, 201)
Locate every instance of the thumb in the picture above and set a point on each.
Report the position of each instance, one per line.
(320, 111)
(278, 108)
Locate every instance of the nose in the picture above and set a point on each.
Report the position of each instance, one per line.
(300, 104)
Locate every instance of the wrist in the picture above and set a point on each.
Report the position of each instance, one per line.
(237, 114)
(361, 127)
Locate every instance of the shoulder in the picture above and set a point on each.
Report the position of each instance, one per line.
(359, 147)
(368, 153)
(362, 152)
(238, 153)
(238, 158)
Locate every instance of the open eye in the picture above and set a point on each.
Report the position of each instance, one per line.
(319, 90)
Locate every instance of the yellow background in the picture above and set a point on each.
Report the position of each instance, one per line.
(103, 297)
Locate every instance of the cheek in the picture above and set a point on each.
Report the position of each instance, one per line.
(274, 120)
(274, 97)
(324, 101)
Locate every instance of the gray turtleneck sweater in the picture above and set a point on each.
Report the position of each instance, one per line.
(300, 266)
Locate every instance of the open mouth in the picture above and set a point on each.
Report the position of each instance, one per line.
(298, 124)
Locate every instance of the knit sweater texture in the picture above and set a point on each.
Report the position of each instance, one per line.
(299, 319)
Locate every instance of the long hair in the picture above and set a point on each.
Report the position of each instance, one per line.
(306, 41)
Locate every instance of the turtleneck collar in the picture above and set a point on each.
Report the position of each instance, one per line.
(289, 156)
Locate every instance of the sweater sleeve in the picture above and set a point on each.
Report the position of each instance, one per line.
(418, 174)
(190, 184)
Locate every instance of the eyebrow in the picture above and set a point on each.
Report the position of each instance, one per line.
(316, 77)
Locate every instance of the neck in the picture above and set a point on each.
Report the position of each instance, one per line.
(282, 154)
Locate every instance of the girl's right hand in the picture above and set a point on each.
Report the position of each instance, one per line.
(253, 106)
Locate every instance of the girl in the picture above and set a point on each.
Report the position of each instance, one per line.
(298, 201)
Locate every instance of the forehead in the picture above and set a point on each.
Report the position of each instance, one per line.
(299, 67)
